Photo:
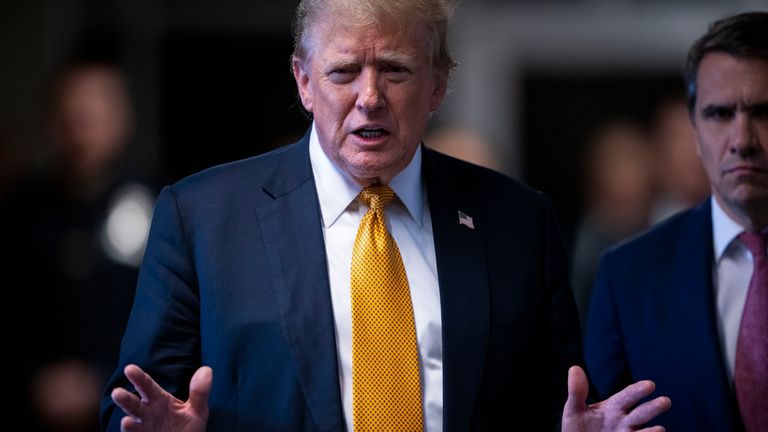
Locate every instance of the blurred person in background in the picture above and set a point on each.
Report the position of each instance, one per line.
(681, 180)
(465, 144)
(619, 184)
(686, 304)
(73, 239)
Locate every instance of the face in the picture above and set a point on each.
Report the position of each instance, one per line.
(371, 92)
(92, 121)
(731, 126)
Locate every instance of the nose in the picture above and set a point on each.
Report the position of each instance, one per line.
(370, 97)
(744, 139)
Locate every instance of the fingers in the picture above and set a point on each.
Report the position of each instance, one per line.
(127, 401)
(578, 387)
(631, 394)
(134, 406)
(200, 388)
(144, 384)
(653, 429)
(128, 424)
(647, 411)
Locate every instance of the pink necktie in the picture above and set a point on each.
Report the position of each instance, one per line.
(751, 369)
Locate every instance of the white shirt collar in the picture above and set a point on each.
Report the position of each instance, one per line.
(724, 229)
(335, 190)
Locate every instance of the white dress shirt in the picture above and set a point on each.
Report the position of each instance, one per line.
(732, 272)
(408, 220)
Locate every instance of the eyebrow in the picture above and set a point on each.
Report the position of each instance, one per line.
(385, 57)
(397, 58)
(757, 106)
(340, 63)
(715, 106)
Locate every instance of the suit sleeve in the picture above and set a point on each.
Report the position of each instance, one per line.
(565, 335)
(163, 332)
(604, 342)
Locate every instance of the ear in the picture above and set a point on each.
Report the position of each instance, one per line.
(301, 75)
(438, 93)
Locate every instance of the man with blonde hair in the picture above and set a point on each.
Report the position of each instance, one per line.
(357, 280)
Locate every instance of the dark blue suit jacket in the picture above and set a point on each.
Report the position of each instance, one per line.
(235, 277)
(653, 316)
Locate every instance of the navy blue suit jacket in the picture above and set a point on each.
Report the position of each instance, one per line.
(653, 316)
(235, 277)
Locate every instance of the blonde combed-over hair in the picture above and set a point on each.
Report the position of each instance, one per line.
(433, 14)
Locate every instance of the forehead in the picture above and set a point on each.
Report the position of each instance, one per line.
(728, 79)
(333, 37)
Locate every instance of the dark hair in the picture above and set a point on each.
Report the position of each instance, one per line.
(742, 35)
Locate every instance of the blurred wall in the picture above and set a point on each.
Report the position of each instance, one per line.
(22, 65)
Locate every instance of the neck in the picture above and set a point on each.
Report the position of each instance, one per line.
(364, 182)
(753, 217)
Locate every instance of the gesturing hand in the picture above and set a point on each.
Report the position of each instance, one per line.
(614, 414)
(159, 411)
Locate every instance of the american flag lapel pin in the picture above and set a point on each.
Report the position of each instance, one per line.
(466, 220)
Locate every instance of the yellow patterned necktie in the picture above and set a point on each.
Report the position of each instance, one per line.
(386, 390)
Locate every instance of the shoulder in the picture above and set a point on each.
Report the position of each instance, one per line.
(251, 170)
(661, 240)
(245, 178)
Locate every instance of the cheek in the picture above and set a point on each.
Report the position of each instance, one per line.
(336, 104)
(762, 137)
(704, 152)
(705, 144)
(709, 159)
(415, 107)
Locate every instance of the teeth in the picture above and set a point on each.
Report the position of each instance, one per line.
(371, 133)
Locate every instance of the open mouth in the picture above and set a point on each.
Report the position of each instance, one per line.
(371, 133)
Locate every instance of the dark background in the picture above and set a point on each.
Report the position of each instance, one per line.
(228, 96)
(211, 80)
(561, 112)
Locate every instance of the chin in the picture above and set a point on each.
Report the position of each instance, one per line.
(757, 199)
(371, 164)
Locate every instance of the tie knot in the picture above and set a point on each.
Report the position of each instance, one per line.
(377, 196)
(755, 242)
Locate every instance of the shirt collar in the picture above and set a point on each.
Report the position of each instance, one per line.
(335, 190)
(724, 229)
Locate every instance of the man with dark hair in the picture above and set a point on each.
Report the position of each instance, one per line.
(686, 304)
(357, 280)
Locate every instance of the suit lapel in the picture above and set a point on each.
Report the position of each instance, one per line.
(291, 228)
(464, 296)
(689, 305)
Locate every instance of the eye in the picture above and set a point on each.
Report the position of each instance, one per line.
(396, 69)
(760, 111)
(342, 75)
(396, 72)
(718, 113)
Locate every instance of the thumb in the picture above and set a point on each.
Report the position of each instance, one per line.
(578, 388)
(200, 388)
